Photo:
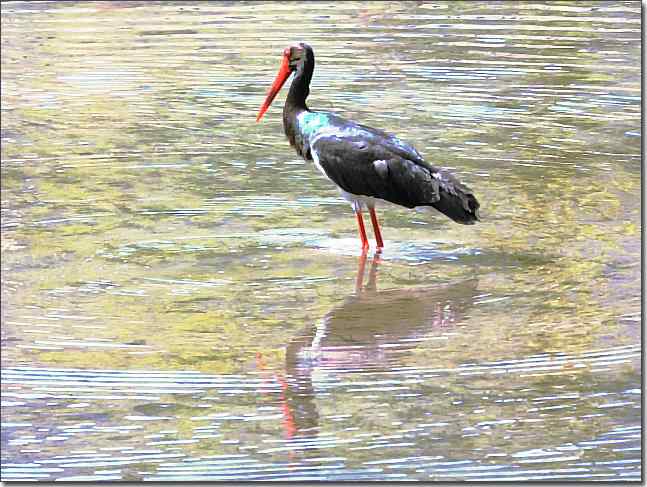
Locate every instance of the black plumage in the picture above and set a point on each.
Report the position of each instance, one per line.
(368, 162)
(364, 162)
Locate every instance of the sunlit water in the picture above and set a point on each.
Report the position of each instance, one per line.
(184, 298)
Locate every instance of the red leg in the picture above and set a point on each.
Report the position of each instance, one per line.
(362, 230)
(376, 229)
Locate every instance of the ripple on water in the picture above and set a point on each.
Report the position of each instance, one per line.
(29, 388)
(140, 199)
(277, 239)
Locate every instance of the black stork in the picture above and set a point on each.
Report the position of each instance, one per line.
(366, 164)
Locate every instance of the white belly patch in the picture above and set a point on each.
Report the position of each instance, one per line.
(357, 201)
(315, 158)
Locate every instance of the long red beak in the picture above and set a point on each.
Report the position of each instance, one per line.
(279, 81)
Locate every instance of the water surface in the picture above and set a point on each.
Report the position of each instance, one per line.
(183, 298)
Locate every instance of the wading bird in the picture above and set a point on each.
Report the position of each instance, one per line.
(366, 164)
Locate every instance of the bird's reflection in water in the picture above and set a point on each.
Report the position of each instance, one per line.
(370, 330)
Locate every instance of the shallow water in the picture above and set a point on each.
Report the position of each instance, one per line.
(184, 298)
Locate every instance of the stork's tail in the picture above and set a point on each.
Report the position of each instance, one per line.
(455, 200)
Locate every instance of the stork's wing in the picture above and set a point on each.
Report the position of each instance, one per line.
(366, 163)
(378, 137)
